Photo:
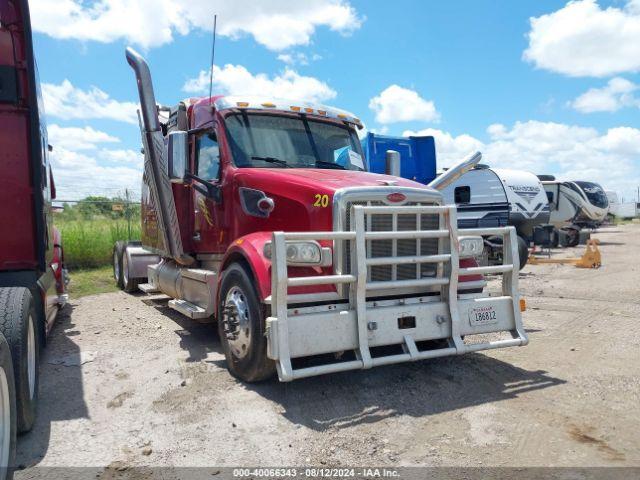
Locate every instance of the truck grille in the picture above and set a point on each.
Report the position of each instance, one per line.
(395, 248)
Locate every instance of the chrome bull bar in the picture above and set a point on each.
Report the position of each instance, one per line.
(359, 325)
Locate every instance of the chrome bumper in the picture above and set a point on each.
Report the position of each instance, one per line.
(358, 325)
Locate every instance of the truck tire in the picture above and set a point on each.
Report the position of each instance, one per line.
(8, 421)
(18, 324)
(241, 327)
(118, 250)
(129, 284)
(523, 251)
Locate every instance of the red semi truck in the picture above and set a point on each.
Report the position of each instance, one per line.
(258, 214)
(32, 275)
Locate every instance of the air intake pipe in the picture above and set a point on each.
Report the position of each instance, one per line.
(455, 172)
(155, 162)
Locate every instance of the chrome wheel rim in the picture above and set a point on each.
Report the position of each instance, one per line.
(116, 266)
(5, 426)
(236, 322)
(31, 358)
(125, 269)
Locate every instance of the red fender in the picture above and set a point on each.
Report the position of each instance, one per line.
(250, 250)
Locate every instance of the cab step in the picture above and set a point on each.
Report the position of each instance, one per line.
(188, 309)
(147, 288)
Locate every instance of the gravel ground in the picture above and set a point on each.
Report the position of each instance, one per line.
(125, 381)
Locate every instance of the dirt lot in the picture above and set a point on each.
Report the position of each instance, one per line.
(127, 381)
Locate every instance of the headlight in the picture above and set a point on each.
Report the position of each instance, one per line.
(470, 246)
(303, 253)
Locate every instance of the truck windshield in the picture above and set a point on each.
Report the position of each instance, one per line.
(275, 141)
(594, 193)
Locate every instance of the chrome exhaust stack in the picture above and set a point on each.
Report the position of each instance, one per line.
(455, 172)
(155, 162)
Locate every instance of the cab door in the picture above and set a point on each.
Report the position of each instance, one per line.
(207, 229)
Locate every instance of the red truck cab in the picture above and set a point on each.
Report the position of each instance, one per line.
(259, 214)
(32, 275)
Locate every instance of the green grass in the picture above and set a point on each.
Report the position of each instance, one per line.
(91, 282)
(89, 243)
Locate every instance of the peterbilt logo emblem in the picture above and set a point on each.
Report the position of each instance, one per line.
(396, 197)
(526, 192)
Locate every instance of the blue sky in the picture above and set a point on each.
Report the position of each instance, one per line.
(546, 86)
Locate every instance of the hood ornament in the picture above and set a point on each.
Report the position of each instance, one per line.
(389, 183)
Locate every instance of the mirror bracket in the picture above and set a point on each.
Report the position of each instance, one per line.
(208, 189)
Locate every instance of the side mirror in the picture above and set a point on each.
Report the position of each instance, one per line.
(177, 155)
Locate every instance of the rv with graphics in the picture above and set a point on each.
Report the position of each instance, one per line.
(575, 205)
(496, 196)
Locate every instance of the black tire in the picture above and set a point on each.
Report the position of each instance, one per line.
(116, 260)
(19, 325)
(555, 239)
(249, 364)
(129, 284)
(8, 434)
(572, 237)
(523, 251)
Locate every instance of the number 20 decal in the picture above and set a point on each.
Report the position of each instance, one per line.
(321, 200)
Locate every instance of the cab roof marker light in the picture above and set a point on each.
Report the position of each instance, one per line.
(342, 115)
(242, 104)
(295, 109)
(308, 110)
(322, 112)
(268, 105)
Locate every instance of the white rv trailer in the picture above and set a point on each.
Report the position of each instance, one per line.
(575, 205)
(622, 209)
(528, 200)
(589, 202)
(480, 199)
(487, 197)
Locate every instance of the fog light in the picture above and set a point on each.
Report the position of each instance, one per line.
(470, 246)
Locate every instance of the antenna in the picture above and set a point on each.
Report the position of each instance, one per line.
(213, 51)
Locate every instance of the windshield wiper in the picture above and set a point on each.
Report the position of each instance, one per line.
(277, 161)
(330, 165)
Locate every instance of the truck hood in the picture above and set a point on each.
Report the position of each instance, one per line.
(320, 180)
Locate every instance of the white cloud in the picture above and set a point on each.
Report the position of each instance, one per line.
(568, 151)
(68, 102)
(396, 104)
(80, 174)
(583, 39)
(237, 80)
(82, 165)
(78, 138)
(449, 148)
(276, 24)
(617, 94)
(299, 58)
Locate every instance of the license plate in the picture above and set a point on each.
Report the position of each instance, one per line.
(482, 315)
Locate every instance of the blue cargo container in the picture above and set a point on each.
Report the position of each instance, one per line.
(417, 155)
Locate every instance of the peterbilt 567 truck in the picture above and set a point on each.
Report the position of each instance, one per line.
(258, 214)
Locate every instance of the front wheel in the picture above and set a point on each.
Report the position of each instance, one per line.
(523, 251)
(241, 326)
